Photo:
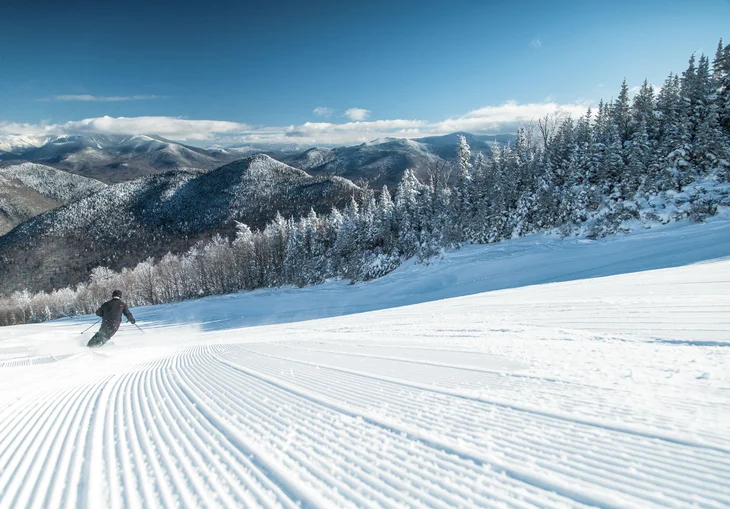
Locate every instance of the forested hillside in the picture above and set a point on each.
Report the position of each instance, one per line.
(28, 189)
(126, 223)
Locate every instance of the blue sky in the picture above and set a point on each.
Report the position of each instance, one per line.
(310, 70)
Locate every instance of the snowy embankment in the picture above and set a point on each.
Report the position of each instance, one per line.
(611, 392)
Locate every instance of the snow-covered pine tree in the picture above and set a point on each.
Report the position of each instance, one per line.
(721, 73)
(410, 214)
(643, 110)
(706, 143)
(346, 249)
(672, 135)
(638, 160)
(621, 114)
(461, 210)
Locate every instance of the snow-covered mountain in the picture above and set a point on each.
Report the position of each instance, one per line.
(379, 162)
(249, 148)
(312, 158)
(116, 158)
(28, 189)
(606, 392)
(17, 144)
(125, 223)
(113, 158)
(383, 161)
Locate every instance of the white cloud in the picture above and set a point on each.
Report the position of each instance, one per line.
(504, 118)
(323, 111)
(374, 126)
(100, 98)
(17, 129)
(536, 43)
(169, 127)
(357, 114)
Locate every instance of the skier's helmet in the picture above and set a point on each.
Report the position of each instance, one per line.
(117, 293)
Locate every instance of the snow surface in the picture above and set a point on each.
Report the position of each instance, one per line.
(593, 391)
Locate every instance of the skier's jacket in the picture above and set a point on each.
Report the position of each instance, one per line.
(111, 315)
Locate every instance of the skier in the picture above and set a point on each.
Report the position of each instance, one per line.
(111, 317)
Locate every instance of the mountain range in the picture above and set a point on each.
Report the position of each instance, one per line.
(382, 162)
(114, 158)
(111, 158)
(379, 163)
(120, 225)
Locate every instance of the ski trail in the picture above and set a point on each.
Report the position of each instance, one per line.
(431, 405)
(623, 474)
(253, 425)
(507, 377)
(376, 395)
(604, 499)
(325, 436)
(431, 381)
(32, 361)
(94, 486)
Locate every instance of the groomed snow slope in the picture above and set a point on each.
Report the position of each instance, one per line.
(610, 392)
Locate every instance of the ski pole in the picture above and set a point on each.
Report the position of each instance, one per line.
(138, 328)
(90, 326)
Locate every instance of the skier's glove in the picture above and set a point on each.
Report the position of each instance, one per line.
(132, 321)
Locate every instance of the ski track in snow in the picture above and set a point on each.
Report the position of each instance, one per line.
(559, 395)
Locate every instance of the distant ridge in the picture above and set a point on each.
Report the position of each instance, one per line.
(383, 162)
(114, 158)
(28, 189)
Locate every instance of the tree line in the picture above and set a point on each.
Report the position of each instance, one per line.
(659, 156)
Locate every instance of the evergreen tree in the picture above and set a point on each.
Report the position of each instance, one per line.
(408, 214)
(706, 144)
(672, 136)
(638, 160)
(643, 110)
(346, 247)
(461, 202)
(722, 82)
(621, 114)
